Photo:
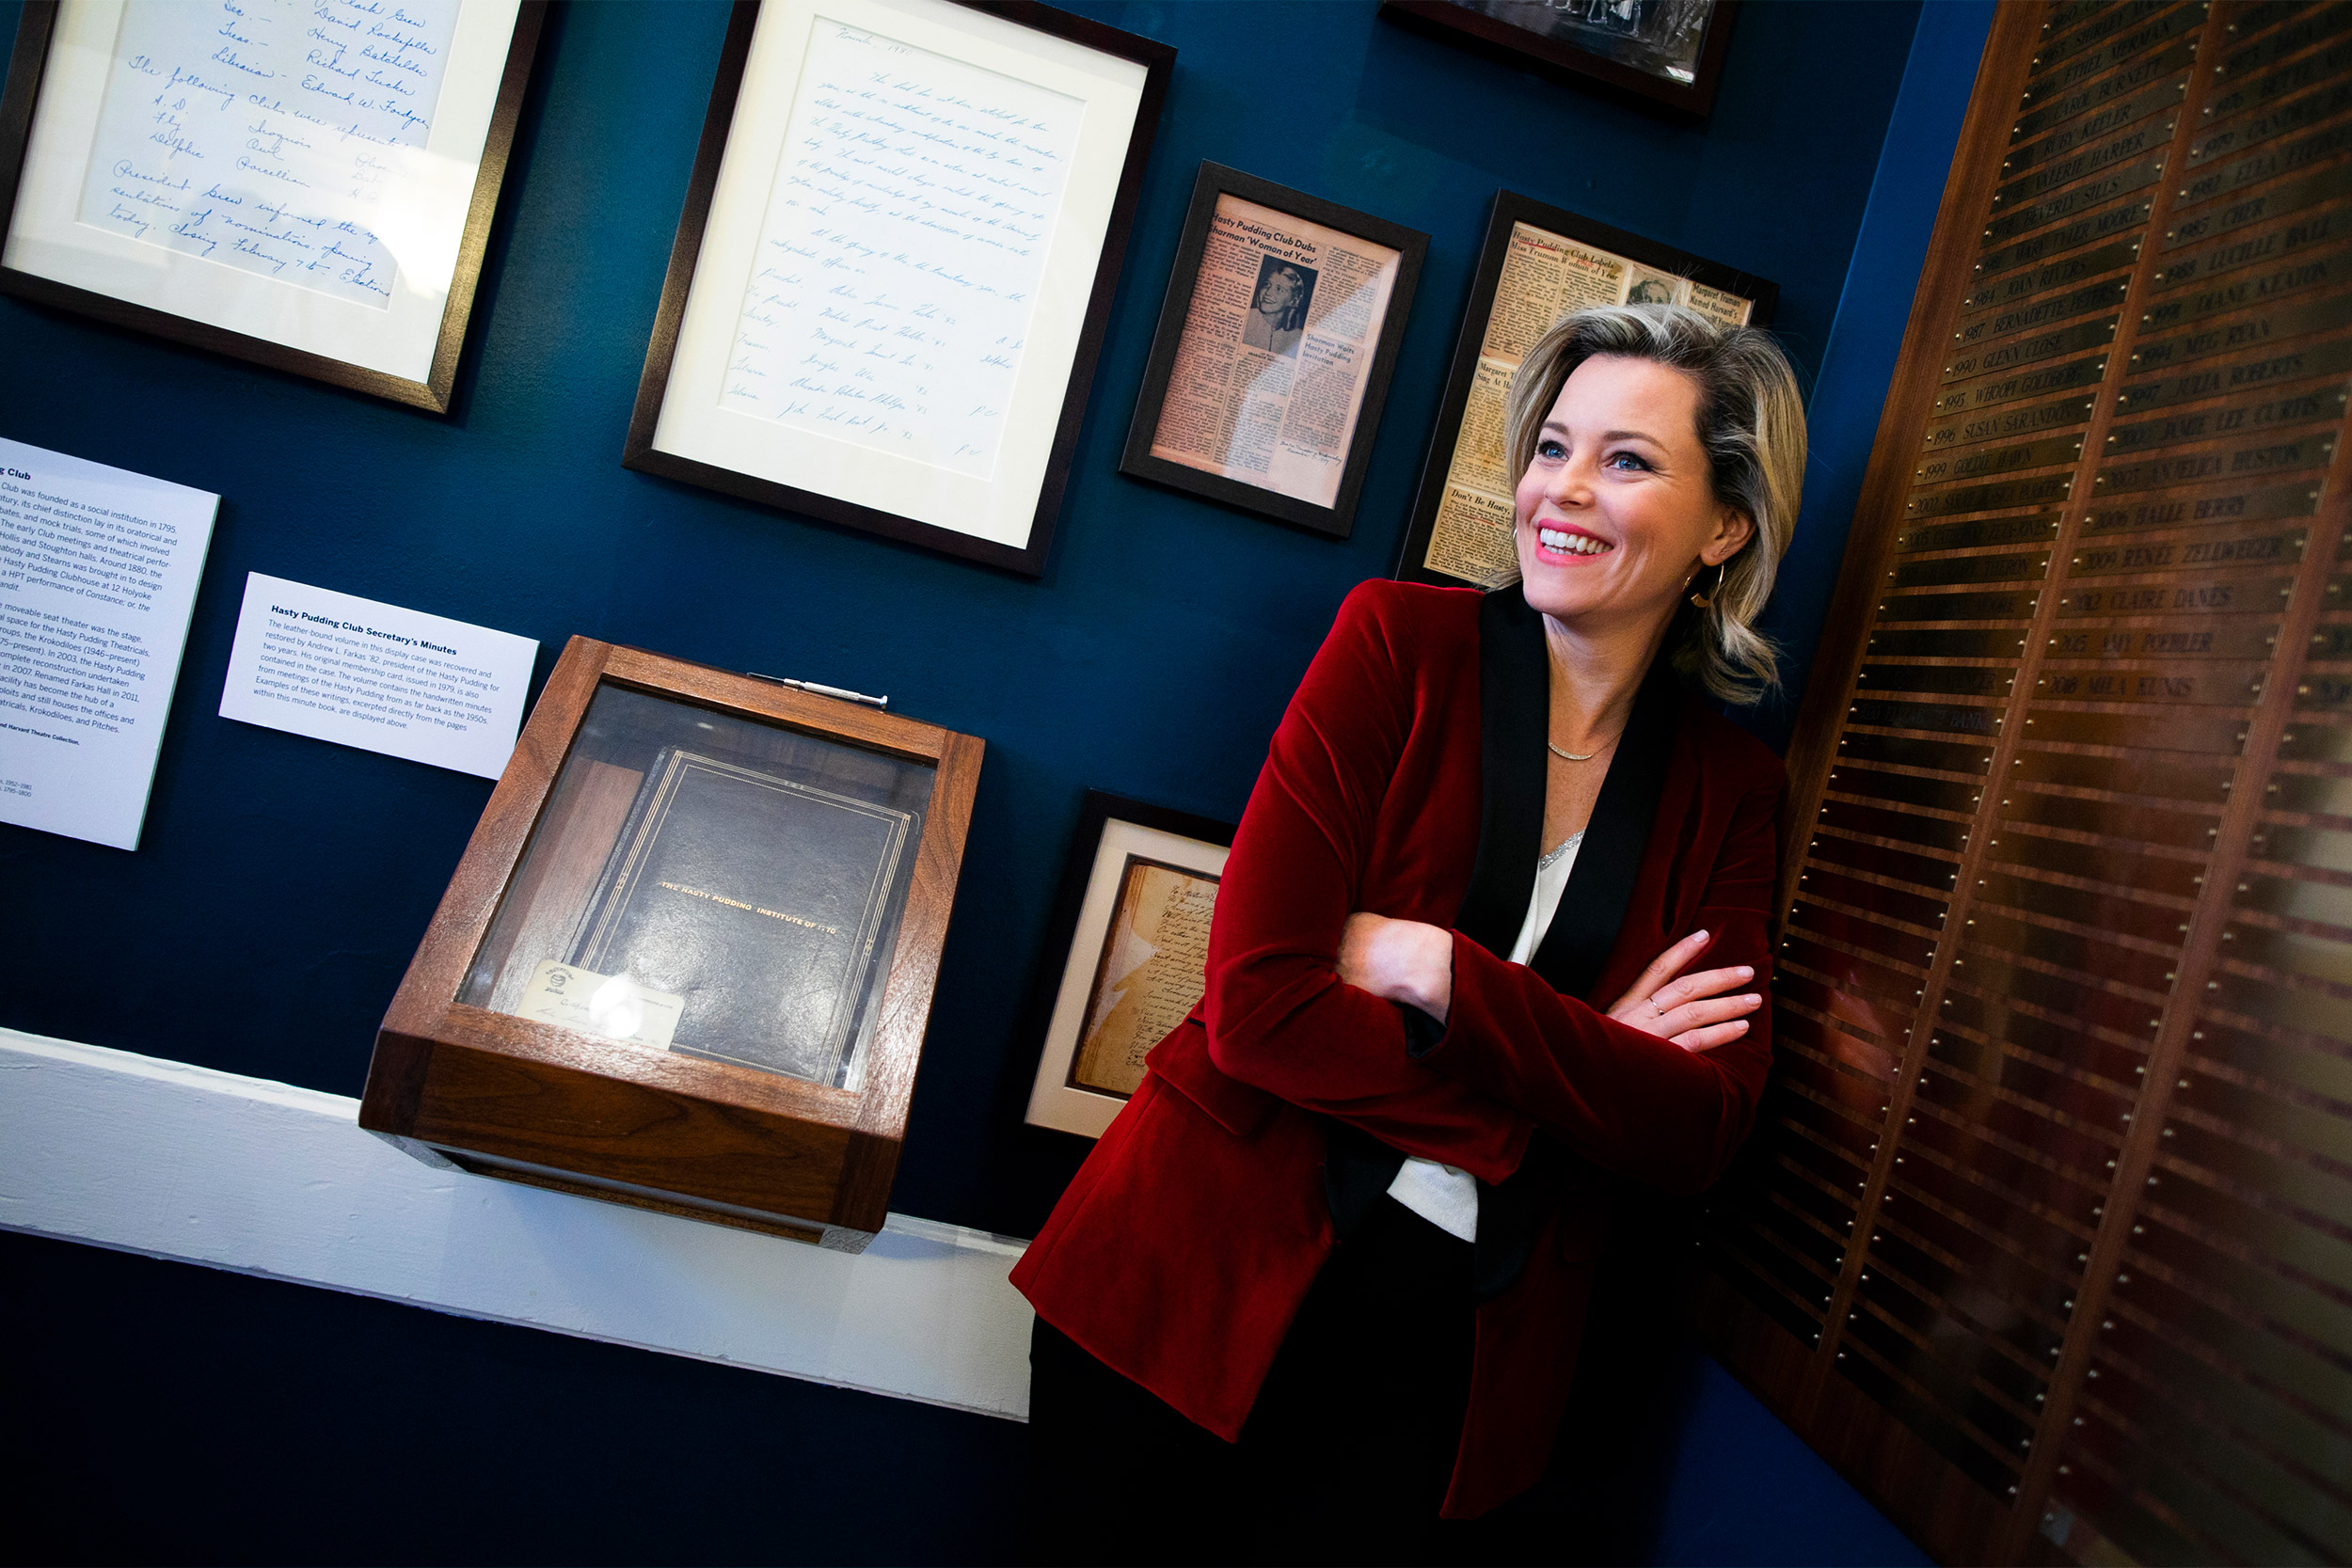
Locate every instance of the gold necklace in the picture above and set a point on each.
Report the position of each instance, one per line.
(1571, 756)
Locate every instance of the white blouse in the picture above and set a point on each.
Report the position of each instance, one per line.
(1445, 1196)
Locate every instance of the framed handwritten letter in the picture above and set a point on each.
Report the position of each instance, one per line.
(304, 184)
(1277, 339)
(1133, 923)
(896, 263)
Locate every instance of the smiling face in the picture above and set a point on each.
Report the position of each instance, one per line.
(1618, 508)
(1279, 293)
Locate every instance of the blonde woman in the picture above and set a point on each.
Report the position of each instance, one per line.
(1490, 949)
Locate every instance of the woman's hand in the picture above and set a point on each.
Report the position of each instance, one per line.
(1401, 961)
(1693, 1011)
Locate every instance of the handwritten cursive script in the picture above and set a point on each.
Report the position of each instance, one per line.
(269, 135)
(899, 260)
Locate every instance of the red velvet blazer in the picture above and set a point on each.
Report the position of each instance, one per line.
(1403, 780)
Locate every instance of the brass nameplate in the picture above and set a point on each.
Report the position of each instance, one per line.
(1907, 752)
(1909, 789)
(2055, 111)
(2165, 731)
(2119, 868)
(2036, 526)
(1956, 607)
(1968, 429)
(1940, 718)
(2052, 242)
(2114, 118)
(2046, 312)
(2258, 129)
(2066, 171)
(2271, 245)
(2276, 202)
(1937, 680)
(2320, 795)
(2097, 192)
(1971, 568)
(2000, 460)
(2172, 555)
(2320, 691)
(2063, 64)
(2010, 354)
(1903, 827)
(1992, 497)
(1971, 644)
(2312, 451)
(2242, 506)
(2016, 389)
(2052, 274)
(2172, 684)
(2262, 596)
(2318, 360)
(2207, 423)
(2238, 637)
(2316, 742)
(2104, 912)
(2256, 166)
(2250, 332)
(2084, 954)
(2322, 22)
(2302, 277)
(1879, 860)
(2173, 778)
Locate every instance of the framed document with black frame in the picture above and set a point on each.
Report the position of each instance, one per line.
(895, 266)
(1539, 263)
(1658, 54)
(1125, 954)
(687, 956)
(307, 185)
(1277, 339)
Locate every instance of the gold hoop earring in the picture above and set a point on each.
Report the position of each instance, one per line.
(1707, 601)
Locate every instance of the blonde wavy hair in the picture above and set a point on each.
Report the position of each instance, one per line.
(1750, 422)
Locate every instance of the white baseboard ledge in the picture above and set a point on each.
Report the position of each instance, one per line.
(156, 1157)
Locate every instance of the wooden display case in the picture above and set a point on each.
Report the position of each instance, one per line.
(687, 959)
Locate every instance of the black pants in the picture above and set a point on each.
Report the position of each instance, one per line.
(1347, 1451)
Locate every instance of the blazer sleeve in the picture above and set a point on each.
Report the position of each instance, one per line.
(1629, 1101)
(1279, 1016)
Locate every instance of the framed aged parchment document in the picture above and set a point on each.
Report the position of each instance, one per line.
(1279, 332)
(1132, 930)
(687, 960)
(1539, 263)
(307, 185)
(896, 263)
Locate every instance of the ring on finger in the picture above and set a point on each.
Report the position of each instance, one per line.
(1656, 1011)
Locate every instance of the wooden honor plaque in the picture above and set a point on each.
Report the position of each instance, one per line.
(687, 959)
(2045, 1233)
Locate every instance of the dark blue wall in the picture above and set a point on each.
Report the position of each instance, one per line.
(283, 883)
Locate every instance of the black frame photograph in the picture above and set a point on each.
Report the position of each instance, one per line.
(1277, 341)
(1661, 55)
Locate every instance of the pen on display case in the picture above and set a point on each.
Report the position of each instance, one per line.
(822, 691)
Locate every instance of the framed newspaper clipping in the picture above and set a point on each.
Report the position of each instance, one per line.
(307, 185)
(1539, 263)
(1276, 343)
(1131, 931)
(894, 271)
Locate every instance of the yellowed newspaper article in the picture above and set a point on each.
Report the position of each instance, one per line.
(1152, 973)
(1277, 352)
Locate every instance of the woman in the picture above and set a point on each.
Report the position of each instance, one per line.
(1347, 1223)
(1278, 315)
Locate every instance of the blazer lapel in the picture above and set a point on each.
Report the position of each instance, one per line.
(1514, 716)
(1592, 906)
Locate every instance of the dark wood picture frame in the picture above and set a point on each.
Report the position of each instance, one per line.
(558, 1107)
(22, 96)
(1095, 815)
(686, 250)
(1412, 247)
(1556, 58)
(1510, 207)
